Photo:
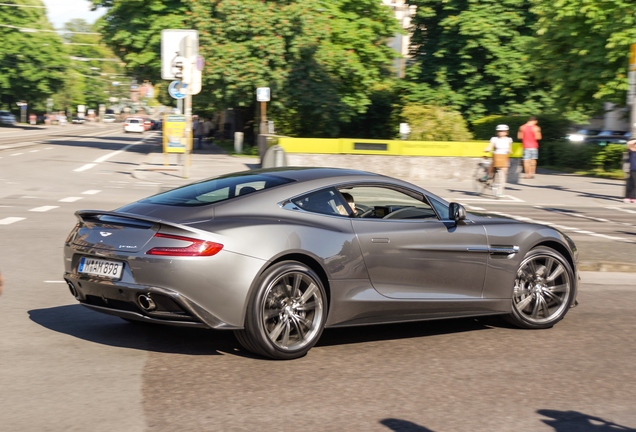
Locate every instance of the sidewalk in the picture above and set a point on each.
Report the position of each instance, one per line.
(594, 256)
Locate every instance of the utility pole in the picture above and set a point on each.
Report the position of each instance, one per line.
(187, 106)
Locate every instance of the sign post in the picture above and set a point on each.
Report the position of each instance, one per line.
(262, 96)
(180, 60)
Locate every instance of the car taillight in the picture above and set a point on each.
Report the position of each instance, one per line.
(195, 247)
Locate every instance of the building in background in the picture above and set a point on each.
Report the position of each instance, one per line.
(403, 12)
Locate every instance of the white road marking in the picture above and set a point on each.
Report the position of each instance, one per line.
(33, 151)
(85, 167)
(91, 192)
(10, 220)
(106, 157)
(565, 228)
(71, 199)
(55, 281)
(16, 154)
(43, 208)
(500, 200)
(621, 209)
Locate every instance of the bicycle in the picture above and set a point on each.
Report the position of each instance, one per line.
(483, 178)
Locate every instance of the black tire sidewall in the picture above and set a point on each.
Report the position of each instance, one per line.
(254, 322)
(518, 318)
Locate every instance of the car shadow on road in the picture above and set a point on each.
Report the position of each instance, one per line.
(374, 333)
(574, 421)
(82, 323)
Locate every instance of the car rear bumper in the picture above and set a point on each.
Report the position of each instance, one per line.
(141, 303)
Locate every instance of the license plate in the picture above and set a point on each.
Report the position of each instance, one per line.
(100, 267)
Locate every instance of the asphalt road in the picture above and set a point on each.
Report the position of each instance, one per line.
(66, 368)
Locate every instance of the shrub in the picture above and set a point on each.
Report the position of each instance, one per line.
(581, 156)
(553, 127)
(433, 123)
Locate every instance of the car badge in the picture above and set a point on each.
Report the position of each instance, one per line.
(105, 233)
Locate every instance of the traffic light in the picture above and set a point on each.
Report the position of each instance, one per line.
(182, 69)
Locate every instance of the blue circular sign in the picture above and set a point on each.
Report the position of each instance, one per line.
(175, 88)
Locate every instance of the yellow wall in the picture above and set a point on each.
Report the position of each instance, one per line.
(388, 147)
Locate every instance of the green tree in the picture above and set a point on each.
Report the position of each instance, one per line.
(33, 63)
(320, 59)
(582, 49)
(472, 56)
(95, 68)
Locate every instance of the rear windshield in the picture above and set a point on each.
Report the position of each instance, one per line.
(216, 190)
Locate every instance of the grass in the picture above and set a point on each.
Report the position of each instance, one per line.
(228, 146)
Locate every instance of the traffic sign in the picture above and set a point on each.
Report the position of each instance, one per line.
(177, 90)
(262, 94)
(173, 44)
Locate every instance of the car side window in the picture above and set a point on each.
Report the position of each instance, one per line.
(324, 201)
(377, 202)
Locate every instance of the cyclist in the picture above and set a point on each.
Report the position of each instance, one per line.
(501, 148)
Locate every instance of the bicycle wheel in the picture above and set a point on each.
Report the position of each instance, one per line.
(478, 180)
(497, 190)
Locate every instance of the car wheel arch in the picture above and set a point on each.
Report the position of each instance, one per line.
(254, 335)
(309, 261)
(560, 248)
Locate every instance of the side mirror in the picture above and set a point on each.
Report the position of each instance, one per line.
(456, 212)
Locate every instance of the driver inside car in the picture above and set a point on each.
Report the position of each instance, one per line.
(349, 198)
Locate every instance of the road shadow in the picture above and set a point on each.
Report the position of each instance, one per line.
(574, 421)
(399, 425)
(82, 323)
(382, 332)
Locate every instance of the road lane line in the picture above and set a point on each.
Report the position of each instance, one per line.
(109, 155)
(16, 154)
(85, 167)
(55, 281)
(10, 220)
(621, 209)
(71, 199)
(44, 208)
(91, 192)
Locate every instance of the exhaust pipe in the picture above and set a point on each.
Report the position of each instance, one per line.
(146, 303)
(72, 289)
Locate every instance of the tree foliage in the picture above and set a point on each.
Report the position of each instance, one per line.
(473, 56)
(33, 64)
(320, 59)
(94, 69)
(582, 49)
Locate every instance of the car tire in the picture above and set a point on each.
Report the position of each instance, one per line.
(286, 313)
(544, 289)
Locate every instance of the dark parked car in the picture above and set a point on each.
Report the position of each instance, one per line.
(605, 140)
(620, 133)
(581, 134)
(277, 255)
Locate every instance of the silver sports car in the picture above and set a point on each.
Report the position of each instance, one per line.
(277, 255)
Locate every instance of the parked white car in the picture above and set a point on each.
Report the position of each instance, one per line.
(109, 118)
(7, 118)
(134, 124)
